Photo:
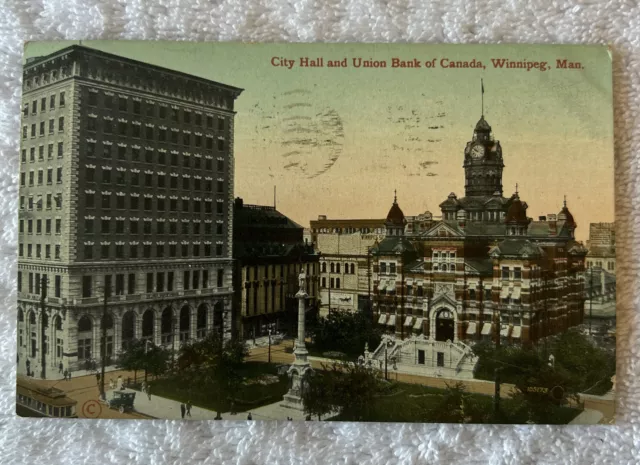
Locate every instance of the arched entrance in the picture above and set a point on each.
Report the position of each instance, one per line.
(185, 323)
(58, 338)
(33, 334)
(218, 318)
(128, 331)
(201, 321)
(166, 326)
(148, 318)
(85, 338)
(107, 320)
(444, 325)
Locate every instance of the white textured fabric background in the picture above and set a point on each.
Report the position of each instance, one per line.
(31, 441)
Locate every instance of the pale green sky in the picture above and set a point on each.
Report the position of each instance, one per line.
(338, 141)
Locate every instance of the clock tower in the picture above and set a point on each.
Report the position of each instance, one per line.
(483, 163)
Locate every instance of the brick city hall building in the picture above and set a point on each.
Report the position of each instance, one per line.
(483, 271)
(126, 194)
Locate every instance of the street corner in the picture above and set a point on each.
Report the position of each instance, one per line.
(91, 409)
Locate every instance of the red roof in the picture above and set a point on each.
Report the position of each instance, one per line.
(395, 215)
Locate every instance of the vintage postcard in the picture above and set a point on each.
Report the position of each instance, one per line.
(333, 232)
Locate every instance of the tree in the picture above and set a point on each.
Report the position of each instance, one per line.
(343, 387)
(133, 358)
(214, 365)
(346, 332)
(456, 406)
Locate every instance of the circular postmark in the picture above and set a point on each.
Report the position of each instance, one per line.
(91, 409)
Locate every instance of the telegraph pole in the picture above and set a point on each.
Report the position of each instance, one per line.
(496, 397)
(402, 300)
(103, 348)
(43, 310)
(590, 297)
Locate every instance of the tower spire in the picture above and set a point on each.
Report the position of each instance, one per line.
(395, 196)
(565, 200)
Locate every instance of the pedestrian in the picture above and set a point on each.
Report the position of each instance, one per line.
(189, 408)
(65, 374)
(69, 375)
(98, 377)
(112, 384)
(149, 391)
(60, 367)
(120, 383)
(249, 417)
(183, 409)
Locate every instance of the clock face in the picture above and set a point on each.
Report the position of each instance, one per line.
(477, 151)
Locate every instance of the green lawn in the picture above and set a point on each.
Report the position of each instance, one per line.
(412, 403)
(249, 396)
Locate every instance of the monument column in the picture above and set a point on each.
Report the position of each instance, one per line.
(300, 366)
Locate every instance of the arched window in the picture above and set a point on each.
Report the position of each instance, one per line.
(84, 324)
(333, 268)
(147, 324)
(185, 322)
(452, 267)
(435, 267)
(32, 318)
(166, 326)
(353, 268)
(324, 267)
(337, 267)
(324, 282)
(201, 321)
(20, 316)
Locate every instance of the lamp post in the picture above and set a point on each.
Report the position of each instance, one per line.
(103, 345)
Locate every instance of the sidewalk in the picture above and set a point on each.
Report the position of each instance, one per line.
(167, 409)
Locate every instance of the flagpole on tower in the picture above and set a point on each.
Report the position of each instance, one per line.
(482, 89)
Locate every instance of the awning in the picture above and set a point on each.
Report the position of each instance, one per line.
(486, 329)
(471, 329)
(382, 286)
(392, 321)
(408, 321)
(504, 331)
(504, 293)
(516, 293)
(408, 281)
(419, 282)
(418, 324)
(391, 285)
(516, 332)
(382, 319)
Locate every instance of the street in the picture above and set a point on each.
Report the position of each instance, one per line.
(84, 389)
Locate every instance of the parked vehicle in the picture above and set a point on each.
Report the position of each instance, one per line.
(123, 401)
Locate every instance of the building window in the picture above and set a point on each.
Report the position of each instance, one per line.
(517, 273)
(149, 282)
(87, 286)
(220, 278)
(104, 251)
(505, 272)
(60, 149)
(122, 104)
(88, 252)
(133, 251)
(61, 123)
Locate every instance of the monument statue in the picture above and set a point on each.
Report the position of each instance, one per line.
(302, 280)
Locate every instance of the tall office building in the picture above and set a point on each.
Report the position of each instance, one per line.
(126, 197)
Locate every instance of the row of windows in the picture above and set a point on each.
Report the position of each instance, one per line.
(506, 273)
(38, 226)
(138, 154)
(270, 271)
(159, 180)
(41, 180)
(335, 268)
(36, 280)
(30, 203)
(118, 251)
(149, 132)
(147, 204)
(38, 249)
(133, 227)
(161, 281)
(151, 110)
(391, 267)
(42, 129)
(333, 282)
(43, 104)
(50, 150)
